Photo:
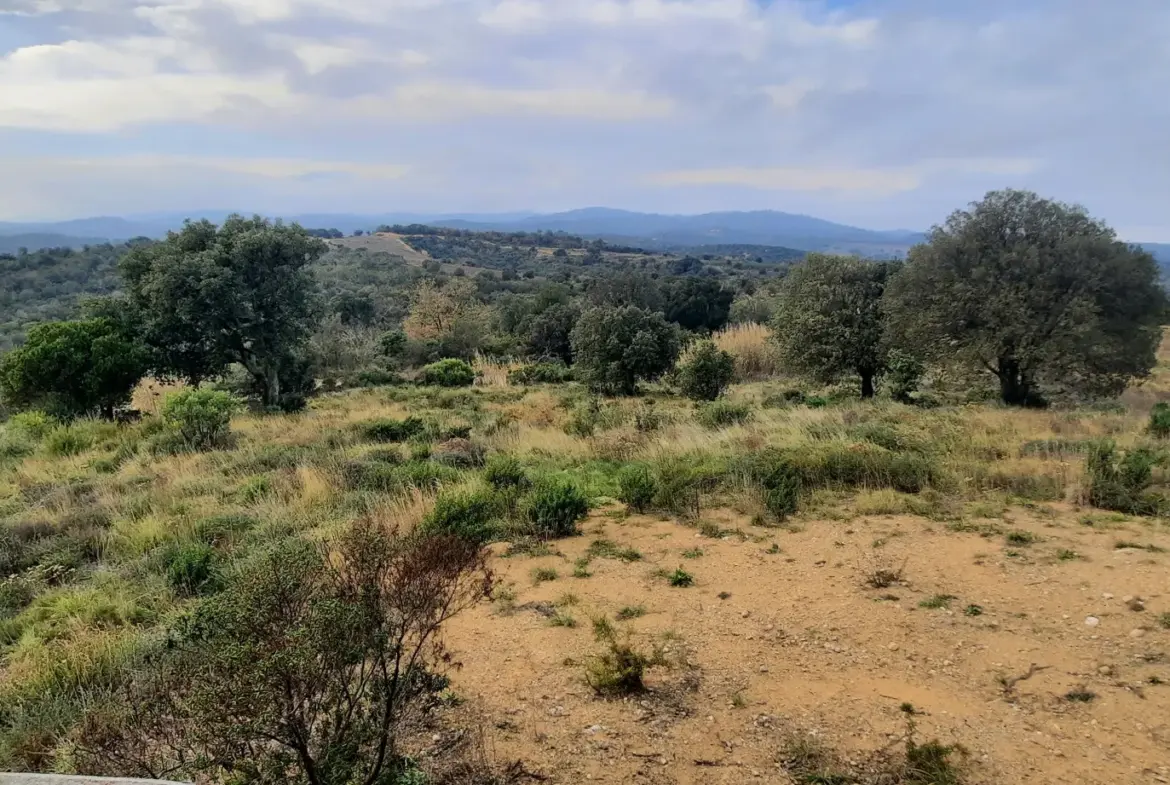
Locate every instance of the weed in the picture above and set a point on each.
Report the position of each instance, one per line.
(555, 506)
(973, 610)
(722, 414)
(603, 629)
(504, 472)
(937, 601)
(630, 612)
(680, 578)
(738, 701)
(1020, 538)
(637, 487)
(620, 669)
(773, 549)
(191, 570)
(562, 619)
(543, 575)
(581, 568)
(470, 514)
(1164, 620)
(1137, 546)
(389, 430)
(1159, 425)
(1064, 554)
(1079, 695)
(880, 572)
(693, 553)
(607, 549)
(1121, 481)
(710, 529)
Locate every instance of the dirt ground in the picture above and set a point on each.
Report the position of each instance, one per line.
(796, 642)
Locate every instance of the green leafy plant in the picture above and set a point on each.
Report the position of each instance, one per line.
(554, 507)
(637, 487)
(450, 372)
(723, 414)
(202, 417)
(706, 373)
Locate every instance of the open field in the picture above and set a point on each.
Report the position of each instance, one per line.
(935, 557)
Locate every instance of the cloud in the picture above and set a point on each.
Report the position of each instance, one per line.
(881, 112)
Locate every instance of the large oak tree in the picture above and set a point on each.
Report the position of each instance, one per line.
(1036, 292)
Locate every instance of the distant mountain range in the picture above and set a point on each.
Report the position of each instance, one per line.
(649, 230)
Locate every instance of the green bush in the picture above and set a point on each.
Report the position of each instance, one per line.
(33, 424)
(191, 569)
(1121, 481)
(638, 487)
(391, 431)
(680, 481)
(615, 348)
(66, 441)
(541, 373)
(707, 373)
(783, 399)
(471, 515)
(380, 477)
(555, 506)
(503, 472)
(777, 478)
(723, 414)
(619, 670)
(202, 417)
(448, 373)
(1160, 420)
(903, 375)
(219, 529)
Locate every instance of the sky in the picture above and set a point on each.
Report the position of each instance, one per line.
(879, 113)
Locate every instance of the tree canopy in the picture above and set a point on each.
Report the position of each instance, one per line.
(829, 320)
(72, 369)
(614, 348)
(1034, 291)
(239, 293)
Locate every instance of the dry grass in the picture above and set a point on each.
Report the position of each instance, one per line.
(492, 372)
(756, 357)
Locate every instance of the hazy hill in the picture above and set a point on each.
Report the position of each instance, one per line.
(653, 231)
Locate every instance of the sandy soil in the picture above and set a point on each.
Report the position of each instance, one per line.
(799, 644)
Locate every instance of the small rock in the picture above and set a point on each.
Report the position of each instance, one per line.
(745, 614)
(763, 669)
(892, 647)
(1105, 670)
(436, 737)
(1107, 596)
(1127, 598)
(1092, 621)
(1137, 632)
(1137, 605)
(593, 729)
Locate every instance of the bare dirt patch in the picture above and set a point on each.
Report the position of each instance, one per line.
(989, 639)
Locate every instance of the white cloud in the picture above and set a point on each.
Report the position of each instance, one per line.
(879, 111)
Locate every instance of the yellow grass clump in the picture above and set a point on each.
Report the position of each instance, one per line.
(756, 357)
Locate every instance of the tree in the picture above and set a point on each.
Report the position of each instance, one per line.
(71, 369)
(625, 288)
(241, 293)
(697, 303)
(614, 348)
(829, 320)
(304, 669)
(451, 316)
(1037, 293)
(707, 372)
(550, 334)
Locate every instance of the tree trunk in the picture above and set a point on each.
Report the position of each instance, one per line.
(1016, 387)
(272, 386)
(867, 384)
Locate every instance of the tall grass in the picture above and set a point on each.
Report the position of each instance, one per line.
(756, 357)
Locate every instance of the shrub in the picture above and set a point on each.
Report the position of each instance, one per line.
(73, 368)
(203, 417)
(448, 373)
(903, 375)
(680, 578)
(615, 348)
(33, 424)
(379, 477)
(706, 372)
(681, 480)
(65, 441)
(619, 670)
(638, 487)
(555, 506)
(191, 569)
(458, 452)
(723, 414)
(648, 419)
(217, 530)
(1160, 420)
(1121, 481)
(390, 430)
(784, 398)
(540, 373)
(504, 472)
(470, 514)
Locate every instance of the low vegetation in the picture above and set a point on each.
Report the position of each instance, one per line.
(246, 577)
